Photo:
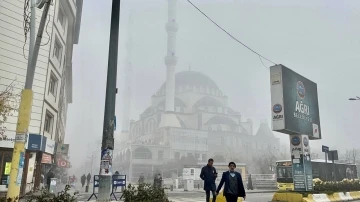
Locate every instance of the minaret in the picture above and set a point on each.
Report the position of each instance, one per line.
(127, 85)
(169, 119)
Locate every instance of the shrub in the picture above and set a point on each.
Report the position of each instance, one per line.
(45, 196)
(345, 185)
(144, 193)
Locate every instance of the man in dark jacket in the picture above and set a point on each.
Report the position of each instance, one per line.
(234, 186)
(88, 179)
(209, 175)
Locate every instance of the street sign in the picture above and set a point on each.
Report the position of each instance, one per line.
(325, 149)
(333, 155)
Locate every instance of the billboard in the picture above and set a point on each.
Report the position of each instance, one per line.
(294, 101)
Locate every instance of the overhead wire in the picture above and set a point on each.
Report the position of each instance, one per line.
(233, 37)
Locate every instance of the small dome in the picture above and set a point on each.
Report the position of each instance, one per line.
(220, 120)
(178, 103)
(208, 101)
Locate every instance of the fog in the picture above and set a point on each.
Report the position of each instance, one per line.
(317, 39)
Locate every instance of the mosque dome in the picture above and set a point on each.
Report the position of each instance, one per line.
(196, 81)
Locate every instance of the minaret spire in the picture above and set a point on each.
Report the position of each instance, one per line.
(170, 58)
(169, 119)
(128, 78)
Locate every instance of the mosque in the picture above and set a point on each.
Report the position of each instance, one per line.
(188, 116)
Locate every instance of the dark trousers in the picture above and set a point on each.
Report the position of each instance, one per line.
(208, 196)
(231, 198)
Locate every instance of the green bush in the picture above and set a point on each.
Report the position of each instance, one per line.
(345, 185)
(144, 193)
(45, 196)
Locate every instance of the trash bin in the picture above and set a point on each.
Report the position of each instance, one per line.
(53, 185)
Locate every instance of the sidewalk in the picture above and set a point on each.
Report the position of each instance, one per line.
(175, 191)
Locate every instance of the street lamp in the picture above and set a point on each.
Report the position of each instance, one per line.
(354, 98)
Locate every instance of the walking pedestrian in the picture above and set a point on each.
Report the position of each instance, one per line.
(209, 175)
(141, 179)
(158, 181)
(250, 183)
(234, 186)
(115, 176)
(49, 175)
(88, 179)
(83, 180)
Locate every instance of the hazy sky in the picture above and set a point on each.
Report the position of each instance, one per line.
(319, 39)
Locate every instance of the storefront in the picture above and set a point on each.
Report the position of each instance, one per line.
(45, 161)
(6, 150)
(34, 147)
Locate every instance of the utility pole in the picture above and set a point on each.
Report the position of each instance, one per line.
(107, 146)
(17, 162)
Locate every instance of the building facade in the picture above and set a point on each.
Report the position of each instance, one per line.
(209, 129)
(52, 85)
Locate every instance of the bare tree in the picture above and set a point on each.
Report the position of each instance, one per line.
(8, 104)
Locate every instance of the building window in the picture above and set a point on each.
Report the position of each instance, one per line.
(160, 154)
(177, 155)
(53, 82)
(49, 121)
(197, 156)
(203, 157)
(58, 49)
(61, 17)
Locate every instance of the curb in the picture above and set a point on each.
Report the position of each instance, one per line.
(297, 197)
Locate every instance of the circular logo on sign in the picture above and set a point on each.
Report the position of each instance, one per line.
(300, 89)
(306, 141)
(277, 108)
(63, 163)
(295, 141)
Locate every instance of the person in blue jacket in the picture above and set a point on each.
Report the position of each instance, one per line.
(209, 175)
(234, 186)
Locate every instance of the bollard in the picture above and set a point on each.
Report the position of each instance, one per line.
(198, 186)
(171, 187)
(87, 188)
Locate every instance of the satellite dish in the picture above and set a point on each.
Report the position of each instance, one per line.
(40, 3)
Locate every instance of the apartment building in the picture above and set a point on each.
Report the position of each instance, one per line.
(52, 85)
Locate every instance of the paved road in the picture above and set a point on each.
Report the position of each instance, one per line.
(200, 197)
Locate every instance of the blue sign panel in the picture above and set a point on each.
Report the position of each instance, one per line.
(96, 181)
(34, 142)
(119, 182)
